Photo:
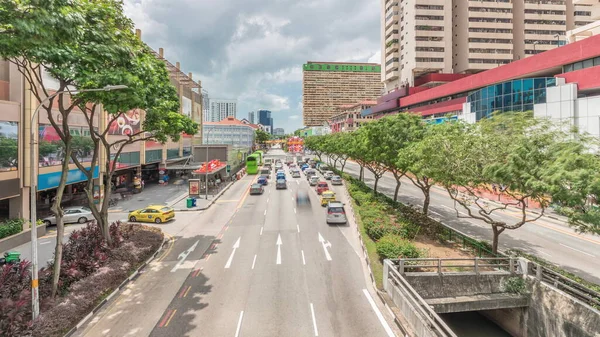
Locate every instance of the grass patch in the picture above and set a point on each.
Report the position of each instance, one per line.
(376, 265)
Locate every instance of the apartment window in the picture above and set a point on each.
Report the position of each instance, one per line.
(488, 61)
(482, 40)
(582, 65)
(490, 51)
(395, 59)
(432, 28)
(434, 49)
(429, 59)
(430, 7)
(429, 17)
(545, 32)
(581, 23)
(429, 38)
(545, 22)
(544, 12)
(490, 10)
(490, 30)
(545, 2)
(583, 13)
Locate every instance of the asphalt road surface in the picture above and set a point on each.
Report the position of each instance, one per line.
(547, 238)
(252, 265)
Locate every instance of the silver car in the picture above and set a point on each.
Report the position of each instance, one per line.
(313, 180)
(336, 180)
(76, 214)
(336, 213)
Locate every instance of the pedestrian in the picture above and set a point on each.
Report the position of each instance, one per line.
(143, 184)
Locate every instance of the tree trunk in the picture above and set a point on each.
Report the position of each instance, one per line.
(58, 213)
(375, 186)
(361, 173)
(343, 165)
(496, 230)
(398, 183)
(426, 201)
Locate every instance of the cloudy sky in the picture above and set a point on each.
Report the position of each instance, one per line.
(253, 50)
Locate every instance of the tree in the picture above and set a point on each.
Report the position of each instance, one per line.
(316, 144)
(261, 136)
(368, 146)
(8, 152)
(390, 136)
(88, 44)
(343, 141)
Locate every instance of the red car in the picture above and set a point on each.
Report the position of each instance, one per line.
(322, 187)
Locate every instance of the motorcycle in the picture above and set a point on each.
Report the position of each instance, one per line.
(10, 258)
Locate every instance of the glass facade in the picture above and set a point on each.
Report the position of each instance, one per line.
(153, 156)
(515, 95)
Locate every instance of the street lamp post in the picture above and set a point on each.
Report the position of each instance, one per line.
(206, 176)
(35, 300)
(535, 44)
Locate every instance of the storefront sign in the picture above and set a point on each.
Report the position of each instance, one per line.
(50, 180)
(96, 194)
(194, 187)
(127, 123)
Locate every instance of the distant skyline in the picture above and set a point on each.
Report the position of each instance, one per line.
(254, 50)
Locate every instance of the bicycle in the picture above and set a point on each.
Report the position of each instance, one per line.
(112, 202)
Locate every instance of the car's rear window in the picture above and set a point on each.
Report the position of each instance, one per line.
(336, 210)
(322, 184)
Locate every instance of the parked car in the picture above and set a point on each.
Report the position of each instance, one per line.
(322, 186)
(313, 180)
(328, 175)
(281, 184)
(336, 180)
(326, 197)
(336, 213)
(262, 180)
(257, 189)
(152, 213)
(76, 214)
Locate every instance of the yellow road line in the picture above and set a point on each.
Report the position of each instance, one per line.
(171, 244)
(170, 318)
(187, 291)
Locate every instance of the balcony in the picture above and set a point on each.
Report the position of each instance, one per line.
(392, 75)
(389, 22)
(548, 17)
(480, 4)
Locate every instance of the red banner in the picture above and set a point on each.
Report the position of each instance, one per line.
(213, 166)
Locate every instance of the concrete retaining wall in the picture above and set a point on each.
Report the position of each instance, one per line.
(459, 284)
(554, 313)
(417, 325)
(512, 320)
(16, 240)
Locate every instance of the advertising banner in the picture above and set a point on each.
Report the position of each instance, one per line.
(194, 187)
(128, 123)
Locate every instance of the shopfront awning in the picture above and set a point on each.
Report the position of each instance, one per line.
(186, 166)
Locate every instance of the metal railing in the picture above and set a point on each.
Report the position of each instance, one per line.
(565, 284)
(428, 316)
(453, 265)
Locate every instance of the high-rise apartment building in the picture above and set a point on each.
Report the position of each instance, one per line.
(222, 108)
(251, 117)
(463, 37)
(205, 106)
(326, 86)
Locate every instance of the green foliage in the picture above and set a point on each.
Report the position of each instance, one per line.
(261, 136)
(8, 152)
(515, 285)
(396, 247)
(11, 227)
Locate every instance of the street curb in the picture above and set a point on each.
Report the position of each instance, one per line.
(380, 294)
(131, 278)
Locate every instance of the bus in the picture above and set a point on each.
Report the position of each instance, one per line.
(261, 155)
(252, 163)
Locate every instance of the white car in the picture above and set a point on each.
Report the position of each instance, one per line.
(313, 181)
(328, 175)
(336, 180)
(76, 214)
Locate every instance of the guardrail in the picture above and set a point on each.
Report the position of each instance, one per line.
(440, 266)
(421, 308)
(565, 284)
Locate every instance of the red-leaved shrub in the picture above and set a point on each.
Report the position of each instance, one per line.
(15, 299)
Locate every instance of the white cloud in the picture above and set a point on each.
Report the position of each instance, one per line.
(376, 58)
(294, 117)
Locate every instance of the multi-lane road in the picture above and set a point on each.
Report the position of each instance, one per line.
(547, 238)
(252, 265)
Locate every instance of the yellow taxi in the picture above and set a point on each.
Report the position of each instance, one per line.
(326, 197)
(152, 213)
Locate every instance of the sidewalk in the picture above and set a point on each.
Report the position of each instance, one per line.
(202, 203)
(152, 194)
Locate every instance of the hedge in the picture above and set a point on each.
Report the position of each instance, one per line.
(396, 247)
(11, 227)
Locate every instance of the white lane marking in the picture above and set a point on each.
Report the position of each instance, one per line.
(434, 212)
(312, 310)
(446, 207)
(382, 320)
(261, 229)
(577, 250)
(267, 200)
(45, 242)
(298, 226)
(294, 209)
(236, 245)
(239, 326)
(292, 197)
(265, 212)
(254, 261)
(297, 182)
(303, 260)
(539, 251)
(279, 249)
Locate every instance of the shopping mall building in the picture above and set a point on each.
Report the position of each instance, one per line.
(562, 84)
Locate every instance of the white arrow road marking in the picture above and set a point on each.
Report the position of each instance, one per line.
(303, 260)
(261, 229)
(235, 247)
(265, 212)
(298, 226)
(382, 320)
(254, 261)
(325, 244)
(279, 249)
(182, 256)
